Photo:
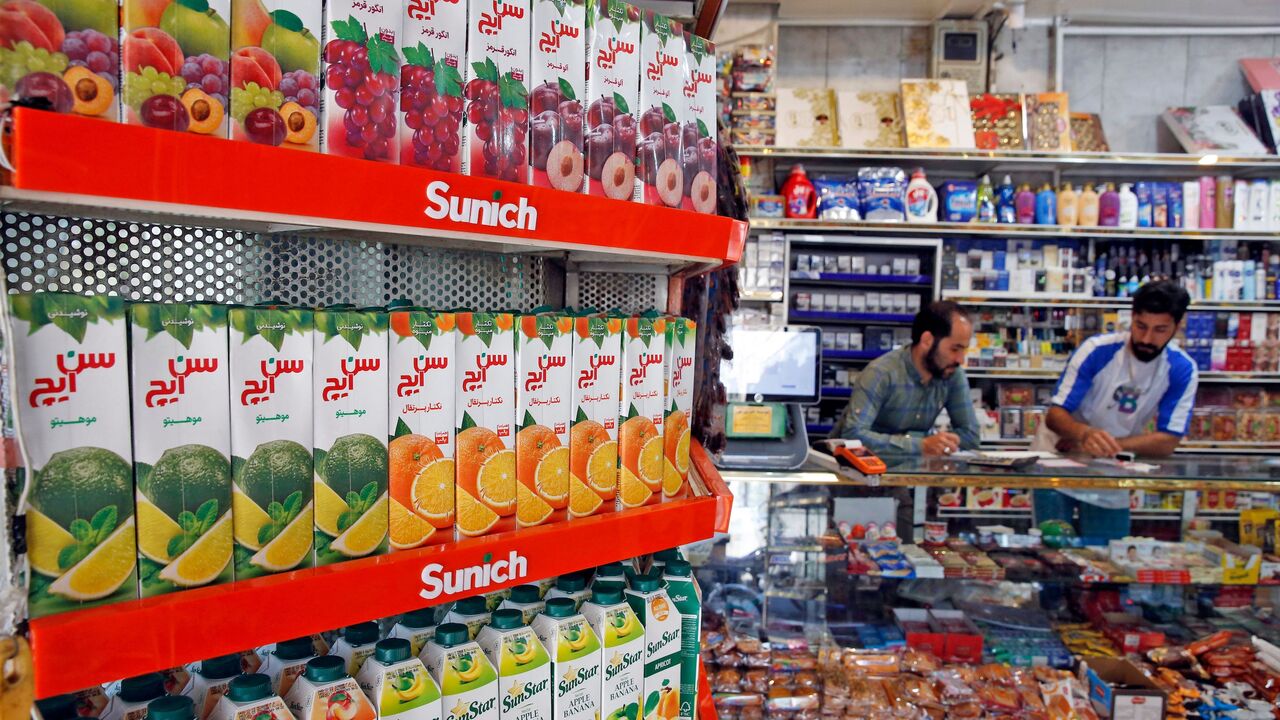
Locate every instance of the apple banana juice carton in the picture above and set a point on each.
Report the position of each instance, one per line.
(575, 660)
(275, 72)
(613, 98)
(485, 415)
(325, 691)
(698, 137)
(643, 402)
(71, 394)
(621, 651)
(661, 111)
(362, 79)
(350, 396)
(468, 681)
(250, 697)
(471, 612)
(558, 85)
(416, 626)
(175, 65)
(524, 667)
(496, 130)
(65, 52)
(593, 441)
(527, 599)
(687, 599)
(272, 513)
(397, 683)
(181, 445)
(662, 642)
(544, 378)
(434, 47)
(681, 343)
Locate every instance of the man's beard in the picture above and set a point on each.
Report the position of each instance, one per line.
(935, 368)
(1145, 352)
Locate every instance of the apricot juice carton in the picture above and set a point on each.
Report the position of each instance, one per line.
(175, 65)
(63, 52)
(687, 599)
(271, 439)
(698, 132)
(468, 681)
(557, 86)
(662, 638)
(71, 396)
(398, 684)
(621, 651)
(472, 612)
(593, 440)
(524, 668)
(544, 378)
(362, 78)
(275, 72)
(661, 111)
(485, 421)
(249, 697)
(283, 663)
(640, 431)
(613, 98)
(681, 343)
(575, 660)
(433, 44)
(325, 691)
(356, 645)
(496, 125)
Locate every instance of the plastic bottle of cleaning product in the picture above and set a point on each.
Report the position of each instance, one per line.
(1025, 203)
(1068, 205)
(799, 198)
(1109, 207)
(1046, 206)
(1128, 206)
(1006, 210)
(922, 199)
(1087, 207)
(1240, 208)
(986, 201)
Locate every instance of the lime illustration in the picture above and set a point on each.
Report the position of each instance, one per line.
(185, 477)
(77, 483)
(274, 470)
(355, 461)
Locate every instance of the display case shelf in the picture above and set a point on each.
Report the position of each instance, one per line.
(1043, 374)
(1048, 232)
(798, 276)
(836, 392)
(1014, 299)
(850, 317)
(852, 354)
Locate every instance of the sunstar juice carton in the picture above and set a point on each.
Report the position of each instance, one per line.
(700, 147)
(572, 586)
(356, 645)
(362, 78)
(485, 415)
(249, 697)
(181, 445)
(416, 626)
(558, 84)
(621, 651)
(687, 598)
(613, 98)
(575, 660)
(433, 44)
(662, 638)
(681, 342)
(661, 111)
(71, 395)
(325, 691)
(524, 668)
(527, 599)
(350, 395)
(285, 662)
(175, 64)
(65, 52)
(493, 600)
(640, 432)
(593, 441)
(496, 130)
(467, 680)
(275, 72)
(544, 380)
(612, 572)
(397, 683)
(271, 500)
(472, 612)
(135, 693)
(210, 682)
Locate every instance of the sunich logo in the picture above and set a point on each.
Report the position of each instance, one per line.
(437, 581)
(478, 211)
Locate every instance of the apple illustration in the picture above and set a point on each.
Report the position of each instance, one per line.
(292, 44)
(100, 15)
(197, 28)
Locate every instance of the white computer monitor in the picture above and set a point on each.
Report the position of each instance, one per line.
(773, 365)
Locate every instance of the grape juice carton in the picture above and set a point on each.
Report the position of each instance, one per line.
(271, 430)
(662, 643)
(613, 98)
(621, 651)
(495, 133)
(285, 662)
(397, 683)
(249, 697)
(699, 130)
(544, 377)
(485, 417)
(76, 49)
(468, 681)
(275, 72)
(524, 667)
(593, 441)
(434, 46)
(687, 599)
(575, 660)
(350, 395)
(181, 445)
(325, 691)
(643, 403)
(558, 83)
(662, 109)
(175, 61)
(362, 74)
(681, 344)
(71, 395)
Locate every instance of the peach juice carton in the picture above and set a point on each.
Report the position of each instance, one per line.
(325, 691)
(640, 431)
(67, 53)
(485, 422)
(544, 378)
(593, 440)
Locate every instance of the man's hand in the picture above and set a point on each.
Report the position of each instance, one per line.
(1099, 443)
(943, 443)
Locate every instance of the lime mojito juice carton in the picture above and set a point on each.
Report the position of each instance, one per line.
(250, 697)
(181, 445)
(467, 680)
(575, 660)
(687, 598)
(350, 383)
(662, 636)
(325, 691)
(593, 441)
(486, 416)
(622, 651)
(524, 669)
(71, 395)
(544, 378)
(271, 502)
(640, 431)
(681, 341)
(398, 684)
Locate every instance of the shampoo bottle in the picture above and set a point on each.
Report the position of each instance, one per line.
(986, 201)
(1046, 206)
(1109, 207)
(1025, 203)
(1087, 207)
(1068, 205)
(1128, 206)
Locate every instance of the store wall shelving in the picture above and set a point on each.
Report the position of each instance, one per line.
(1050, 232)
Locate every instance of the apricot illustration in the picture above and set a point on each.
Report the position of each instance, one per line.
(30, 21)
(299, 123)
(206, 112)
(253, 64)
(91, 92)
(152, 47)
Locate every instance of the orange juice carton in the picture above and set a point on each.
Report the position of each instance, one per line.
(621, 650)
(210, 682)
(71, 395)
(699, 128)
(681, 342)
(612, 99)
(271, 498)
(468, 681)
(433, 44)
(175, 64)
(572, 586)
(350, 388)
(275, 72)
(65, 52)
(356, 645)
(362, 79)
(640, 431)
(421, 468)
(397, 683)
(416, 626)
(496, 128)
(181, 446)
(662, 643)
(527, 599)
(575, 660)
(130, 702)
(285, 662)
(472, 612)
(485, 417)
(661, 111)
(544, 378)
(325, 691)
(524, 668)
(593, 441)
(248, 697)
(557, 86)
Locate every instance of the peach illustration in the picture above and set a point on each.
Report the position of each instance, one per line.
(152, 47)
(30, 21)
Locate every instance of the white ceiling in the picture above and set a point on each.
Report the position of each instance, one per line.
(1143, 12)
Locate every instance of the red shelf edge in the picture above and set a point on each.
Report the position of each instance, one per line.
(710, 475)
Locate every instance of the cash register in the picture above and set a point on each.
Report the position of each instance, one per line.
(773, 373)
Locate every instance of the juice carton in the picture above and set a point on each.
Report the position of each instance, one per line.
(271, 433)
(275, 56)
(485, 415)
(493, 600)
(283, 664)
(572, 586)
(175, 65)
(497, 120)
(527, 599)
(558, 82)
(640, 433)
(681, 341)
(209, 683)
(575, 660)
(524, 668)
(544, 585)
(76, 45)
(71, 394)
(249, 697)
(350, 383)
(662, 644)
(174, 707)
(431, 80)
(612, 572)
(622, 651)
(325, 691)
(397, 683)
(468, 682)
(130, 703)
(662, 109)
(356, 645)
(687, 598)
(593, 441)
(699, 131)
(472, 612)
(181, 446)
(613, 97)
(658, 563)
(544, 377)
(416, 626)
(362, 73)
